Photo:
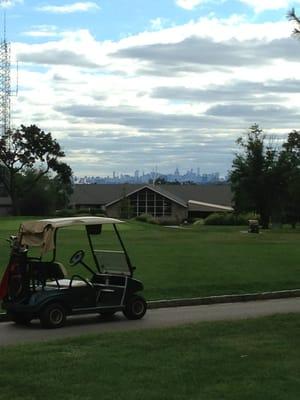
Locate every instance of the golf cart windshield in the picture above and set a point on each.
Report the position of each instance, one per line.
(111, 261)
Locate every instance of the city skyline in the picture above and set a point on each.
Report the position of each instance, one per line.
(122, 83)
(146, 177)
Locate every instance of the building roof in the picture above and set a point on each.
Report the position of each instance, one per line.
(212, 193)
(156, 189)
(102, 194)
(202, 206)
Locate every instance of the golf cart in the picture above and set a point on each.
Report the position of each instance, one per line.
(38, 287)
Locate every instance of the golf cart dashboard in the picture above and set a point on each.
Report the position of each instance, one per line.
(109, 279)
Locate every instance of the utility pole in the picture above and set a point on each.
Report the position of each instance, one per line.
(5, 90)
(5, 80)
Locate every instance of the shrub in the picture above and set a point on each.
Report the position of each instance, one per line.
(66, 212)
(70, 212)
(97, 211)
(214, 219)
(167, 221)
(82, 211)
(199, 221)
(229, 219)
(90, 211)
(146, 218)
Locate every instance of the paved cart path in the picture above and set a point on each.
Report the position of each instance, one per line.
(158, 318)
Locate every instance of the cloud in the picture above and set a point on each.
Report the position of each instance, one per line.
(73, 48)
(42, 31)
(264, 5)
(200, 54)
(257, 5)
(184, 149)
(157, 23)
(56, 57)
(70, 8)
(176, 95)
(216, 117)
(139, 119)
(277, 115)
(10, 3)
(236, 91)
(188, 4)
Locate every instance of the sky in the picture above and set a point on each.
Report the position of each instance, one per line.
(127, 85)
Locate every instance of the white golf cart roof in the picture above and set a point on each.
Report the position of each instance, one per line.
(41, 232)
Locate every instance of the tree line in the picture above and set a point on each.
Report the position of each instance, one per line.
(265, 177)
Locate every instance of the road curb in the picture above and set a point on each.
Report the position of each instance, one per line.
(232, 298)
(196, 301)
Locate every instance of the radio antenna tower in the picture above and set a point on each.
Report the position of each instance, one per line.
(5, 82)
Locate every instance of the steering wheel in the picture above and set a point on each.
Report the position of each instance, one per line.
(76, 258)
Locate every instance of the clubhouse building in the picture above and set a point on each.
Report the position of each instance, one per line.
(173, 202)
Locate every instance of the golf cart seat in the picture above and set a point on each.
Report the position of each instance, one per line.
(45, 271)
(58, 277)
(53, 274)
(65, 283)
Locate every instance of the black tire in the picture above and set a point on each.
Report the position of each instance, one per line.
(53, 316)
(19, 319)
(135, 307)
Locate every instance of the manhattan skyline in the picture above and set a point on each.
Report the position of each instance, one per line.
(138, 176)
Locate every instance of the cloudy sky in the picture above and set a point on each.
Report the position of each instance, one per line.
(135, 84)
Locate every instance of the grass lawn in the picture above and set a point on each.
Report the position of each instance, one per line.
(251, 359)
(196, 261)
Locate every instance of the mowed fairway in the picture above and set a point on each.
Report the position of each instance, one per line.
(255, 359)
(194, 261)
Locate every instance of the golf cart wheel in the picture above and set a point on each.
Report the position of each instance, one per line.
(135, 308)
(19, 319)
(53, 316)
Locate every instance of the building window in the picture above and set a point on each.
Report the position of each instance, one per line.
(147, 202)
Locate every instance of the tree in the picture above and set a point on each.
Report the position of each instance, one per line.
(160, 181)
(265, 179)
(46, 196)
(40, 200)
(292, 16)
(289, 162)
(253, 176)
(31, 148)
